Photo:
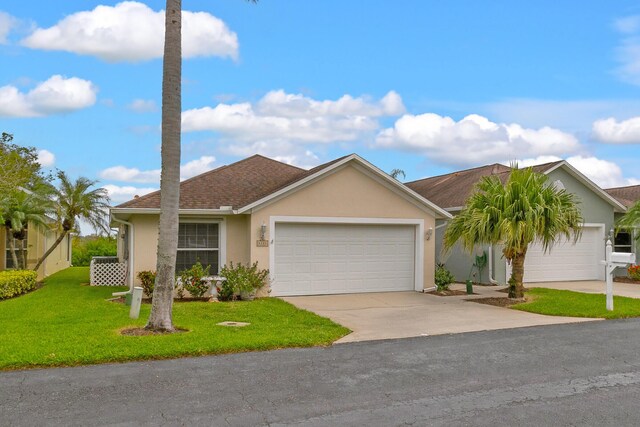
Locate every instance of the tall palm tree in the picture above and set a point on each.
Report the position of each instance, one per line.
(395, 173)
(515, 214)
(74, 200)
(24, 208)
(161, 318)
(631, 219)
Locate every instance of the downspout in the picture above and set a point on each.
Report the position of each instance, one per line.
(131, 255)
(491, 279)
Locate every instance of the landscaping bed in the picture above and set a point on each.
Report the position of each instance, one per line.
(66, 324)
(624, 279)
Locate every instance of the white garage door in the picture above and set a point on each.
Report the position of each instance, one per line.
(567, 261)
(342, 258)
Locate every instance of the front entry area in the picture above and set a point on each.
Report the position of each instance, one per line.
(330, 258)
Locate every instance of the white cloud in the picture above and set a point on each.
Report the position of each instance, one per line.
(54, 96)
(143, 106)
(7, 23)
(473, 140)
(279, 116)
(135, 175)
(132, 31)
(46, 158)
(628, 24)
(604, 173)
(119, 194)
(613, 131)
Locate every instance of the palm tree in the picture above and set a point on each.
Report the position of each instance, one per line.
(395, 173)
(630, 220)
(74, 200)
(525, 209)
(24, 208)
(161, 318)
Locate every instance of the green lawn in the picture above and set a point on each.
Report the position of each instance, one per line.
(576, 304)
(67, 323)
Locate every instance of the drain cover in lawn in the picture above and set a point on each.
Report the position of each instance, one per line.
(236, 324)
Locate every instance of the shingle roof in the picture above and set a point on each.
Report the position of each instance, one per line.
(626, 195)
(237, 185)
(452, 190)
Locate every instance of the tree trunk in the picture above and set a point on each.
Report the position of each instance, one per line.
(23, 254)
(12, 249)
(161, 308)
(51, 249)
(516, 288)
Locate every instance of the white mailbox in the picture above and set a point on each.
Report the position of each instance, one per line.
(623, 258)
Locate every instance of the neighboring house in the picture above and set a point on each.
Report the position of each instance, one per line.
(38, 240)
(626, 240)
(342, 227)
(565, 261)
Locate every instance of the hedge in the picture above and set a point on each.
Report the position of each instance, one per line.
(16, 282)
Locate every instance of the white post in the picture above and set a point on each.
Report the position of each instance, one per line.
(609, 271)
(136, 301)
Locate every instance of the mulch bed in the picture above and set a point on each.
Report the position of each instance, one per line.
(120, 300)
(141, 332)
(626, 280)
(498, 302)
(506, 290)
(449, 293)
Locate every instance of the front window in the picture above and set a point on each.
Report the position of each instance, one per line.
(20, 245)
(623, 242)
(198, 242)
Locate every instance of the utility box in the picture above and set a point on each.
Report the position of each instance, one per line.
(623, 258)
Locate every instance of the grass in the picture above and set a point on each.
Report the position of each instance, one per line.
(555, 302)
(66, 323)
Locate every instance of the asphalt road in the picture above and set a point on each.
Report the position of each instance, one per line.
(577, 374)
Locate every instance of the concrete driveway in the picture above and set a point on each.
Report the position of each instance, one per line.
(376, 316)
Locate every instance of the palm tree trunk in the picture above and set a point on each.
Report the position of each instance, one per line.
(12, 249)
(23, 255)
(516, 288)
(51, 249)
(161, 308)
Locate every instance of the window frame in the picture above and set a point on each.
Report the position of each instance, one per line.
(632, 244)
(7, 249)
(222, 239)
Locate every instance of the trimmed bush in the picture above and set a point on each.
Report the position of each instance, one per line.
(16, 282)
(443, 278)
(192, 280)
(147, 280)
(241, 279)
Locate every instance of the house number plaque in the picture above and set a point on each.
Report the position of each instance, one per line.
(262, 243)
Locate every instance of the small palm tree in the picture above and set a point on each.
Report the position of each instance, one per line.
(74, 200)
(395, 173)
(630, 220)
(524, 210)
(24, 208)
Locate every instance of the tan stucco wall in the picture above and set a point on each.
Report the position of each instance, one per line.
(146, 239)
(345, 193)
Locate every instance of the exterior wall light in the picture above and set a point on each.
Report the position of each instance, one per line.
(263, 231)
(428, 233)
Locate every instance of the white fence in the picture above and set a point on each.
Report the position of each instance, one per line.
(107, 271)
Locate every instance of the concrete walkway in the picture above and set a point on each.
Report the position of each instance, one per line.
(591, 287)
(377, 316)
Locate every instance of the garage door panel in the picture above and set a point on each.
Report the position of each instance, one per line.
(567, 260)
(342, 258)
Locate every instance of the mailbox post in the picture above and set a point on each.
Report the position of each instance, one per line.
(614, 260)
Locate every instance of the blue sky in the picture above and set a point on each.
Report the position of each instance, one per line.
(428, 87)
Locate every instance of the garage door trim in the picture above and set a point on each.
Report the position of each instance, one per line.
(419, 237)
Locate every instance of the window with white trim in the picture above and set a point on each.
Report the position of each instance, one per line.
(199, 241)
(623, 241)
(20, 245)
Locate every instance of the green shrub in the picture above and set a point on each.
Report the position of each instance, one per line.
(86, 247)
(147, 280)
(634, 272)
(443, 278)
(192, 279)
(241, 279)
(16, 282)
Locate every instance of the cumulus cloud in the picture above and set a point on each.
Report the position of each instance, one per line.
(280, 116)
(119, 194)
(472, 140)
(135, 175)
(54, 96)
(604, 173)
(613, 131)
(7, 23)
(143, 106)
(132, 31)
(46, 158)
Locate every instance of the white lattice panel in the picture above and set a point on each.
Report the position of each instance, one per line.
(108, 274)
